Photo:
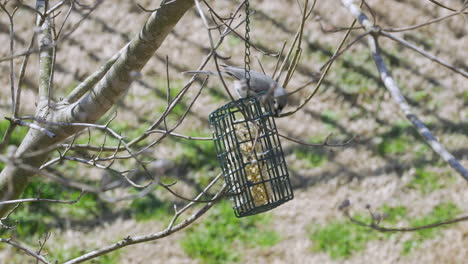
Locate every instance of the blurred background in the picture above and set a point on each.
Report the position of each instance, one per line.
(387, 165)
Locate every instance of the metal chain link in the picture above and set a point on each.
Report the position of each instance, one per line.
(247, 43)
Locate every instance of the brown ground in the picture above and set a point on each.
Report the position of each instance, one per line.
(357, 172)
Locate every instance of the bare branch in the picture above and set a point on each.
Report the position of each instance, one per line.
(6, 217)
(42, 244)
(213, 48)
(12, 51)
(156, 9)
(28, 200)
(325, 143)
(425, 23)
(233, 30)
(335, 56)
(55, 7)
(392, 87)
(406, 229)
(140, 239)
(7, 136)
(424, 53)
(179, 135)
(24, 249)
(92, 80)
(45, 54)
(377, 217)
(177, 99)
(21, 77)
(196, 199)
(20, 122)
(324, 74)
(295, 61)
(441, 5)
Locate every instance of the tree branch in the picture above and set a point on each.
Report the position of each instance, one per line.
(25, 250)
(140, 239)
(392, 87)
(28, 200)
(135, 55)
(92, 80)
(424, 53)
(46, 52)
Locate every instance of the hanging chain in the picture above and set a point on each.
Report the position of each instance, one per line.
(247, 44)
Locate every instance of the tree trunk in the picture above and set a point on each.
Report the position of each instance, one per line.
(90, 107)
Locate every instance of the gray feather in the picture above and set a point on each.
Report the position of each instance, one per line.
(259, 82)
(206, 73)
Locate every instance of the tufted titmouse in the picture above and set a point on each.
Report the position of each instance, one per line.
(275, 94)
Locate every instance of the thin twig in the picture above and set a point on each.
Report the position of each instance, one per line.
(42, 244)
(24, 249)
(12, 52)
(375, 223)
(20, 122)
(155, 9)
(325, 143)
(424, 53)
(335, 56)
(140, 239)
(181, 94)
(425, 23)
(442, 5)
(21, 77)
(6, 217)
(324, 74)
(215, 54)
(394, 90)
(28, 200)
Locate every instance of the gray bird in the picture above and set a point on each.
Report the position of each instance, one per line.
(275, 94)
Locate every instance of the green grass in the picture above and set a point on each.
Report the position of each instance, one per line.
(177, 112)
(464, 95)
(340, 239)
(234, 41)
(329, 116)
(394, 146)
(34, 219)
(197, 154)
(425, 181)
(421, 96)
(16, 137)
(393, 214)
(355, 83)
(217, 93)
(221, 237)
(180, 108)
(150, 207)
(398, 140)
(314, 156)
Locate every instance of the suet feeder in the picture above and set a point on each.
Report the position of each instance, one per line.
(250, 155)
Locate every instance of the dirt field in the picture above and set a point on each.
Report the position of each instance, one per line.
(387, 165)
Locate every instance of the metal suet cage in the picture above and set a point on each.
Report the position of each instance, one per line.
(250, 154)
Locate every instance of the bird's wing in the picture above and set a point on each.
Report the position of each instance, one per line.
(235, 72)
(259, 82)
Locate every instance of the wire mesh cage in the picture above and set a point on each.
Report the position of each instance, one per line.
(250, 154)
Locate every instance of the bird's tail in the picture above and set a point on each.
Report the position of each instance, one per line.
(206, 73)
